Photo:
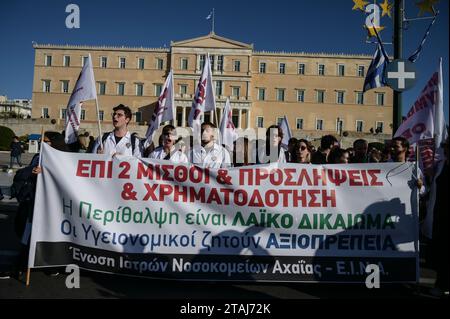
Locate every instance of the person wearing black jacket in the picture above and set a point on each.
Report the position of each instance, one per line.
(440, 242)
(16, 151)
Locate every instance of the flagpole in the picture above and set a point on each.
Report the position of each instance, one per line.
(398, 48)
(39, 164)
(98, 122)
(213, 21)
(416, 241)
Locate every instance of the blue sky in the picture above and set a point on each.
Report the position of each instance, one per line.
(282, 25)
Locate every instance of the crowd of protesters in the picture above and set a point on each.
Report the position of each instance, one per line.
(210, 153)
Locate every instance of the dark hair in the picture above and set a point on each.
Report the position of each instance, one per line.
(280, 131)
(327, 141)
(359, 141)
(125, 109)
(167, 129)
(335, 154)
(208, 124)
(295, 158)
(57, 141)
(402, 140)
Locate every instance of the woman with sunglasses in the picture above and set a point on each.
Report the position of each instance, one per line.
(302, 152)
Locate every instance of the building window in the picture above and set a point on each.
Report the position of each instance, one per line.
(103, 62)
(319, 125)
(179, 117)
(84, 60)
(380, 99)
(202, 61)
(101, 88)
(237, 66)
(320, 96)
(138, 116)
(280, 95)
(122, 63)
(65, 86)
(120, 88)
(379, 127)
(301, 96)
(220, 63)
(301, 68)
(299, 124)
(262, 67)
(158, 89)
(280, 120)
(321, 69)
(236, 91)
(101, 115)
(141, 63)
(359, 126)
(261, 94)
(139, 89)
(62, 113)
(48, 60)
(159, 64)
(83, 115)
(339, 125)
(66, 61)
(341, 70)
(183, 89)
(340, 97)
(361, 72)
(46, 86)
(282, 68)
(211, 61)
(184, 64)
(360, 98)
(219, 88)
(260, 122)
(44, 113)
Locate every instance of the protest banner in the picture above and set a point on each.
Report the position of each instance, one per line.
(274, 222)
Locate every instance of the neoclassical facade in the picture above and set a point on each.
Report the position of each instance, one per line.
(318, 92)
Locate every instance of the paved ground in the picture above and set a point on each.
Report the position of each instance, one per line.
(97, 285)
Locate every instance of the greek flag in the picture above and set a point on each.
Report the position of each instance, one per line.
(375, 77)
(416, 53)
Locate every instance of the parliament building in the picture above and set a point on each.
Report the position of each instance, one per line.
(318, 92)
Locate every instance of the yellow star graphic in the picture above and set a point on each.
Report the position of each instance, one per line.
(359, 4)
(386, 6)
(371, 31)
(426, 6)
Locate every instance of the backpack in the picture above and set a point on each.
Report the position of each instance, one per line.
(133, 140)
(22, 187)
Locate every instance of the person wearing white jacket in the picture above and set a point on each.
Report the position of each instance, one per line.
(120, 140)
(169, 151)
(210, 154)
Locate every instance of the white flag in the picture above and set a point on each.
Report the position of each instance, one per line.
(164, 107)
(227, 130)
(419, 123)
(287, 134)
(204, 99)
(84, 90)
(209, 16)
(440, 135)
